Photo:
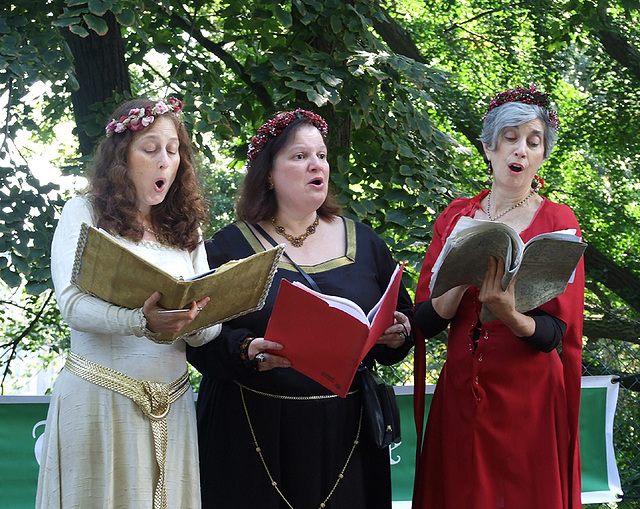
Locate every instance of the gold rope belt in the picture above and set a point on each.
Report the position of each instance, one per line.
(153, 398)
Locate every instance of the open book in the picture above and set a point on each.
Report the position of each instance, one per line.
(544, 265)
(326, 337)
(107, 269)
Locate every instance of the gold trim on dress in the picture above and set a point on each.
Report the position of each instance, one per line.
(348, 258)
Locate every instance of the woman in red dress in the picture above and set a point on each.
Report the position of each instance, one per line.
(502, 430)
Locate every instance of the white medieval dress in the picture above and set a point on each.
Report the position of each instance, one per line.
(98, 448)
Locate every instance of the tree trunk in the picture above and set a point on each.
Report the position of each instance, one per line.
(97, 82)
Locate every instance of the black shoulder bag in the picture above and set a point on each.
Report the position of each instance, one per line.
(379, 404)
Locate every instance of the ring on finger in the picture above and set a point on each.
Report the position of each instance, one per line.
(261, 357)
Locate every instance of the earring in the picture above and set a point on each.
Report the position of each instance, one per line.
(489, 180)
(270, 185)
(537, 183)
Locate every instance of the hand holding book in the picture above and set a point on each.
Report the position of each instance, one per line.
(107, 269)
(544, 265)
(330, 348)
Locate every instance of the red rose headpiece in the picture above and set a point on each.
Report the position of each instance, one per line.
(277, 124)
(527, 95)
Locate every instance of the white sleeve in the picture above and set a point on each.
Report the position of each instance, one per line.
(80, 310)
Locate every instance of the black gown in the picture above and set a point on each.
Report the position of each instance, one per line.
(305, 442)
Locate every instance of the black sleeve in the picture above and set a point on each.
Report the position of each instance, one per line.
(548, 334)
(428, 321)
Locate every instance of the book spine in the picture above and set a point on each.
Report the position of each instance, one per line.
(77, 262)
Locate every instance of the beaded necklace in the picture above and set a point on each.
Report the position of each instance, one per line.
(533, 191)
(296, 241)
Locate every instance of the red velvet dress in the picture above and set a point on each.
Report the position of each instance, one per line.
(502, 431)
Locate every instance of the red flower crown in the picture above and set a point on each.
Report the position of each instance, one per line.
(528, 95)
(139, 118)
(279, 123)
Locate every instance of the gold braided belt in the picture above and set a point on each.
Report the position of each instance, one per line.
(153, 398)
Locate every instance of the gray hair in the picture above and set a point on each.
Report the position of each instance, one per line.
(513, 114)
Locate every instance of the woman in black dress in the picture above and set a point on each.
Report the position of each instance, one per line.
(269, 436)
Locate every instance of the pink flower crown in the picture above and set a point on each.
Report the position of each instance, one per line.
(528, 95)
(139, 118)
(277, 124)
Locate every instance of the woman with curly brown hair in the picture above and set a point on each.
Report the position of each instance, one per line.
(121, 425)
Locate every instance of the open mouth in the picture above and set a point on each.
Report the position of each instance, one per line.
(160, 184)
(516, 168)
(316, 182)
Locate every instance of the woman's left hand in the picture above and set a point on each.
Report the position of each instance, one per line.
(398, 333)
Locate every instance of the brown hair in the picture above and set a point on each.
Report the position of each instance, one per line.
(113, 193)
(256, 201)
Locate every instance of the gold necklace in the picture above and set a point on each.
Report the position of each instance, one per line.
(273, 481)
(296, 241)
(533, 191)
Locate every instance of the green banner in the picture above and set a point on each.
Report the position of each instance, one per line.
(22, 424)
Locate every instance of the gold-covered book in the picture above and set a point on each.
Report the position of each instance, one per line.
(105, 268)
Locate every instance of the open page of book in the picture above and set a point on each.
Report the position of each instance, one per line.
(345, 305)
(548, 265)
(381, 316)
(465, 255)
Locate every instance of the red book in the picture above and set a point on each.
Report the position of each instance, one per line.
(326, 337)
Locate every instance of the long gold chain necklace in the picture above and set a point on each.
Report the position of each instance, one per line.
(296, 241)
(264, 464)
(533, 191)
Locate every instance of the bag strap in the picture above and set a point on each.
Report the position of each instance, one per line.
(303, 273)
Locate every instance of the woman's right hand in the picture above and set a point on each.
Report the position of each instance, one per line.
(446, 305)
(270, 360)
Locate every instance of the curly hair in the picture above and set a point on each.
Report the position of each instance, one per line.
(113, 193)
(256, 201)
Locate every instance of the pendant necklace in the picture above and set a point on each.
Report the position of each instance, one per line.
(296, 241)
(509, 209)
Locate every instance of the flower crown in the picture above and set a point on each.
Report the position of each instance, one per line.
(528, 95)
(277, 124)
(139, 118)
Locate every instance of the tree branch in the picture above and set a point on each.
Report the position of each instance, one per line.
(15, 342)
(260, 92)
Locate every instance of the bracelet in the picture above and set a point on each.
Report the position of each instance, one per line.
(244, 354)
(143, 327)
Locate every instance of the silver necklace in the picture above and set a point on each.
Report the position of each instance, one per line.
(509, 209)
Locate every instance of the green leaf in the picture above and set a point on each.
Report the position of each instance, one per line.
(99, 7)
(98, 25)
(283, 16)
(299, 85)
(316, 98)
(36, 287)
(79, 30)
(126, 17)
(11, 278)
